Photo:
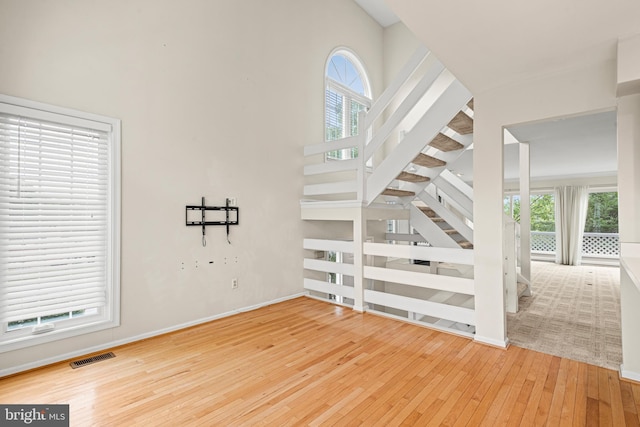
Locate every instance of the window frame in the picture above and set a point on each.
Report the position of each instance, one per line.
(109, 316)
(348, 95)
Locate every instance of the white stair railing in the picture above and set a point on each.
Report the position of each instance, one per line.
(405, 107)
(451, 192)
(441, 112)
(393, 89)
(434, 297)
(323, 268)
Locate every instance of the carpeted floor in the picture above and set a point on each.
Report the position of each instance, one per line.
(574, 313)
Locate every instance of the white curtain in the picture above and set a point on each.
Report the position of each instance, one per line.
(571, 214)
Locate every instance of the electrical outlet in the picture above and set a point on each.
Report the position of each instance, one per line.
(234, 283)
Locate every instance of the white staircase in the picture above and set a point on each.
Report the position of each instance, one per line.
(371, 269)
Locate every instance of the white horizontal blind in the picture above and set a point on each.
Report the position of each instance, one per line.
(54, 217)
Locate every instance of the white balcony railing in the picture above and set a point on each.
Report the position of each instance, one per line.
(593, 244)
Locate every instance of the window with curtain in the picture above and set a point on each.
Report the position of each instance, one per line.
(347, 93)
(59, 222)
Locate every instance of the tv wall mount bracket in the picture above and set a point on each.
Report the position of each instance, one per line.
(203, 208)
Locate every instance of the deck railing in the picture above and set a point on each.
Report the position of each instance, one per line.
(593, 244)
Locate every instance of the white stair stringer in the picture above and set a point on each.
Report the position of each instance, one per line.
(441, 112)
(430, 230)
(401, 78)
(425, 83)
(458, 183)
(449, 217)
(435, 236)
(454, 196)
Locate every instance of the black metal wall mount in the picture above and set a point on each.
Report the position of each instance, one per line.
(203, 222)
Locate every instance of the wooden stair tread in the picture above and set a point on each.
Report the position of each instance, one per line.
(466, 245)
(397, 193)
(428, 211)
(470, 104)
(461, 123)
(412, 177)
(427, 161)
(444, 143)
(451, 231)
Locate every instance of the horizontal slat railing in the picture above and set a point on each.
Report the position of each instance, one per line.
(344, 246)
(415, 305)
(329, 288)
(329, 175)
(446, 285)
(331, 188)
(421, 280)
(325, 147)
(330, 167)
(451, 255)
(327, 267)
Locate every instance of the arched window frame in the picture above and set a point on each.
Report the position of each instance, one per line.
(349, 98)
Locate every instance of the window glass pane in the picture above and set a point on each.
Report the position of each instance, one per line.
(542, 213)
(506, 205)
(602, 213)
(334, 115)
(343, 71)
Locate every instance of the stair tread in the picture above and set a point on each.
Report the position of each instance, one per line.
(428, 211)
(444, 143)
(461, 123)
(466, 245)
(428, 161)
(450, 231)
(412, 177)
(470, 104)
(397, 193)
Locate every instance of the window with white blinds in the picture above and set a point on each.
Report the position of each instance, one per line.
(347, 93)
(58, 221)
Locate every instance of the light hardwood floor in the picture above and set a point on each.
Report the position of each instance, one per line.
(306, 362)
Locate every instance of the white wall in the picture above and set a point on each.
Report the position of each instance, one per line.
(629, 207)
(216, 99)
(573, 91)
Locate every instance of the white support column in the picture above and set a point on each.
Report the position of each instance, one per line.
(629, 212)
(525, 213)
(490, 293)
(359, 236)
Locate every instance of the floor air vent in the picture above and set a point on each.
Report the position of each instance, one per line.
(90, 360)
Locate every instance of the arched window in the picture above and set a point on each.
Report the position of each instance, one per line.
(347, 92)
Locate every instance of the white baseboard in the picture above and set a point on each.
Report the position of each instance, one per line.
(634, 376)
(43, 362)
(492, 342)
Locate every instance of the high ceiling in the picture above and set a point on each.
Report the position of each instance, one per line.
(488, 44)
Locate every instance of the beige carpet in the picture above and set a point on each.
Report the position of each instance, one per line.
(574, 313)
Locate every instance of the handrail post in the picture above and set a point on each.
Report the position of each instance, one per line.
(362, 161)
